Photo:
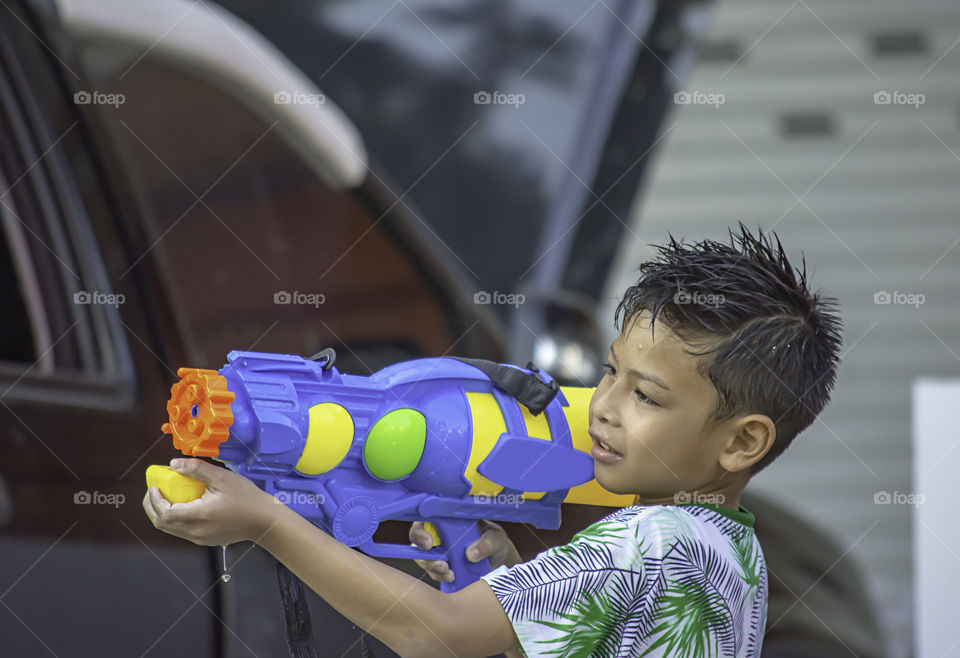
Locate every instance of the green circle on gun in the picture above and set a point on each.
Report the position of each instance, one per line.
(395, 444)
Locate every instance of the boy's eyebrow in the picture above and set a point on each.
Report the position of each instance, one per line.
(642, 375)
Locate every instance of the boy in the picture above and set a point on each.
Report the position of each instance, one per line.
(723, 358)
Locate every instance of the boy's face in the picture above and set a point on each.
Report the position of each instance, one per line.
(651, 408)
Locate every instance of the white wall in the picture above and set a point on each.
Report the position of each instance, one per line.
(936, 533)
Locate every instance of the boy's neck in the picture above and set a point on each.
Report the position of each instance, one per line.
(726, 498)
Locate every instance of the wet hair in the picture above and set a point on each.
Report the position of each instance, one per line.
(770, 345)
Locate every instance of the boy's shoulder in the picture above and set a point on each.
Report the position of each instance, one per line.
(701, 520)
(646, 540)
(641, 538)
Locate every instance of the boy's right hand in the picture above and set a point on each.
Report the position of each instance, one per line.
(493, 543)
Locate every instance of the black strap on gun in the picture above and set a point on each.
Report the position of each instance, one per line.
(296, 614)
(526, 388)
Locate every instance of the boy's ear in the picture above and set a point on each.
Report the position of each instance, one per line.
(753, 437)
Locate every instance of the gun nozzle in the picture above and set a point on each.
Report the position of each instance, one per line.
(199, 412)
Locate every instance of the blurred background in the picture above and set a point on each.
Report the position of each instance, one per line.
(409, 178)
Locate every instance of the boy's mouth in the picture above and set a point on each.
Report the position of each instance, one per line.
(600, 443)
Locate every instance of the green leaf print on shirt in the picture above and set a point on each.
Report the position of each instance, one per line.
(744, 550)
(693, 610)
(593, 618)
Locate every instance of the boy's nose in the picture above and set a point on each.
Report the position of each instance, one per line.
(600, 409)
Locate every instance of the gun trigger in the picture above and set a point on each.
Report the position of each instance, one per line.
(432, 529)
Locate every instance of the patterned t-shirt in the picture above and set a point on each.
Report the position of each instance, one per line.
(650, 580)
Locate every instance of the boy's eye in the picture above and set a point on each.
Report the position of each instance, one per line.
(644, 398)
(641, 396)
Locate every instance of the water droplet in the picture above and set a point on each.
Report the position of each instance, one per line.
(225, 577)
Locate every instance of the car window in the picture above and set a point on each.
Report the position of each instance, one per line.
(259, 252)
(24, 333)
(62, 337)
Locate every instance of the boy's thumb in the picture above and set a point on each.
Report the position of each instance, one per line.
(473, 552)
(197, 469)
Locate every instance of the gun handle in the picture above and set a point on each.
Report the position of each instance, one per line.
(455, 536)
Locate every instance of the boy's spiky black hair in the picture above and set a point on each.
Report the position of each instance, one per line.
(771, 346)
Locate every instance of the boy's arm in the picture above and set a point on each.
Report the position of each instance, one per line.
(405, 613)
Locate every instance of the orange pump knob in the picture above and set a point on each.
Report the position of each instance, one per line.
(199, 412)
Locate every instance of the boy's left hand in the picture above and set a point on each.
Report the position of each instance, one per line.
(232, 508)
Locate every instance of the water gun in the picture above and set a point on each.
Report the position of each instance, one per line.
(434, 440)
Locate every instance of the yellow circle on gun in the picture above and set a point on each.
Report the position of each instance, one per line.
(329, 437)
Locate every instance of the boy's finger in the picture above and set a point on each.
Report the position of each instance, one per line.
(433, 565)
(440, 575)
(148, 508)
(421, 538)
(436, 572)
(160, 504)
